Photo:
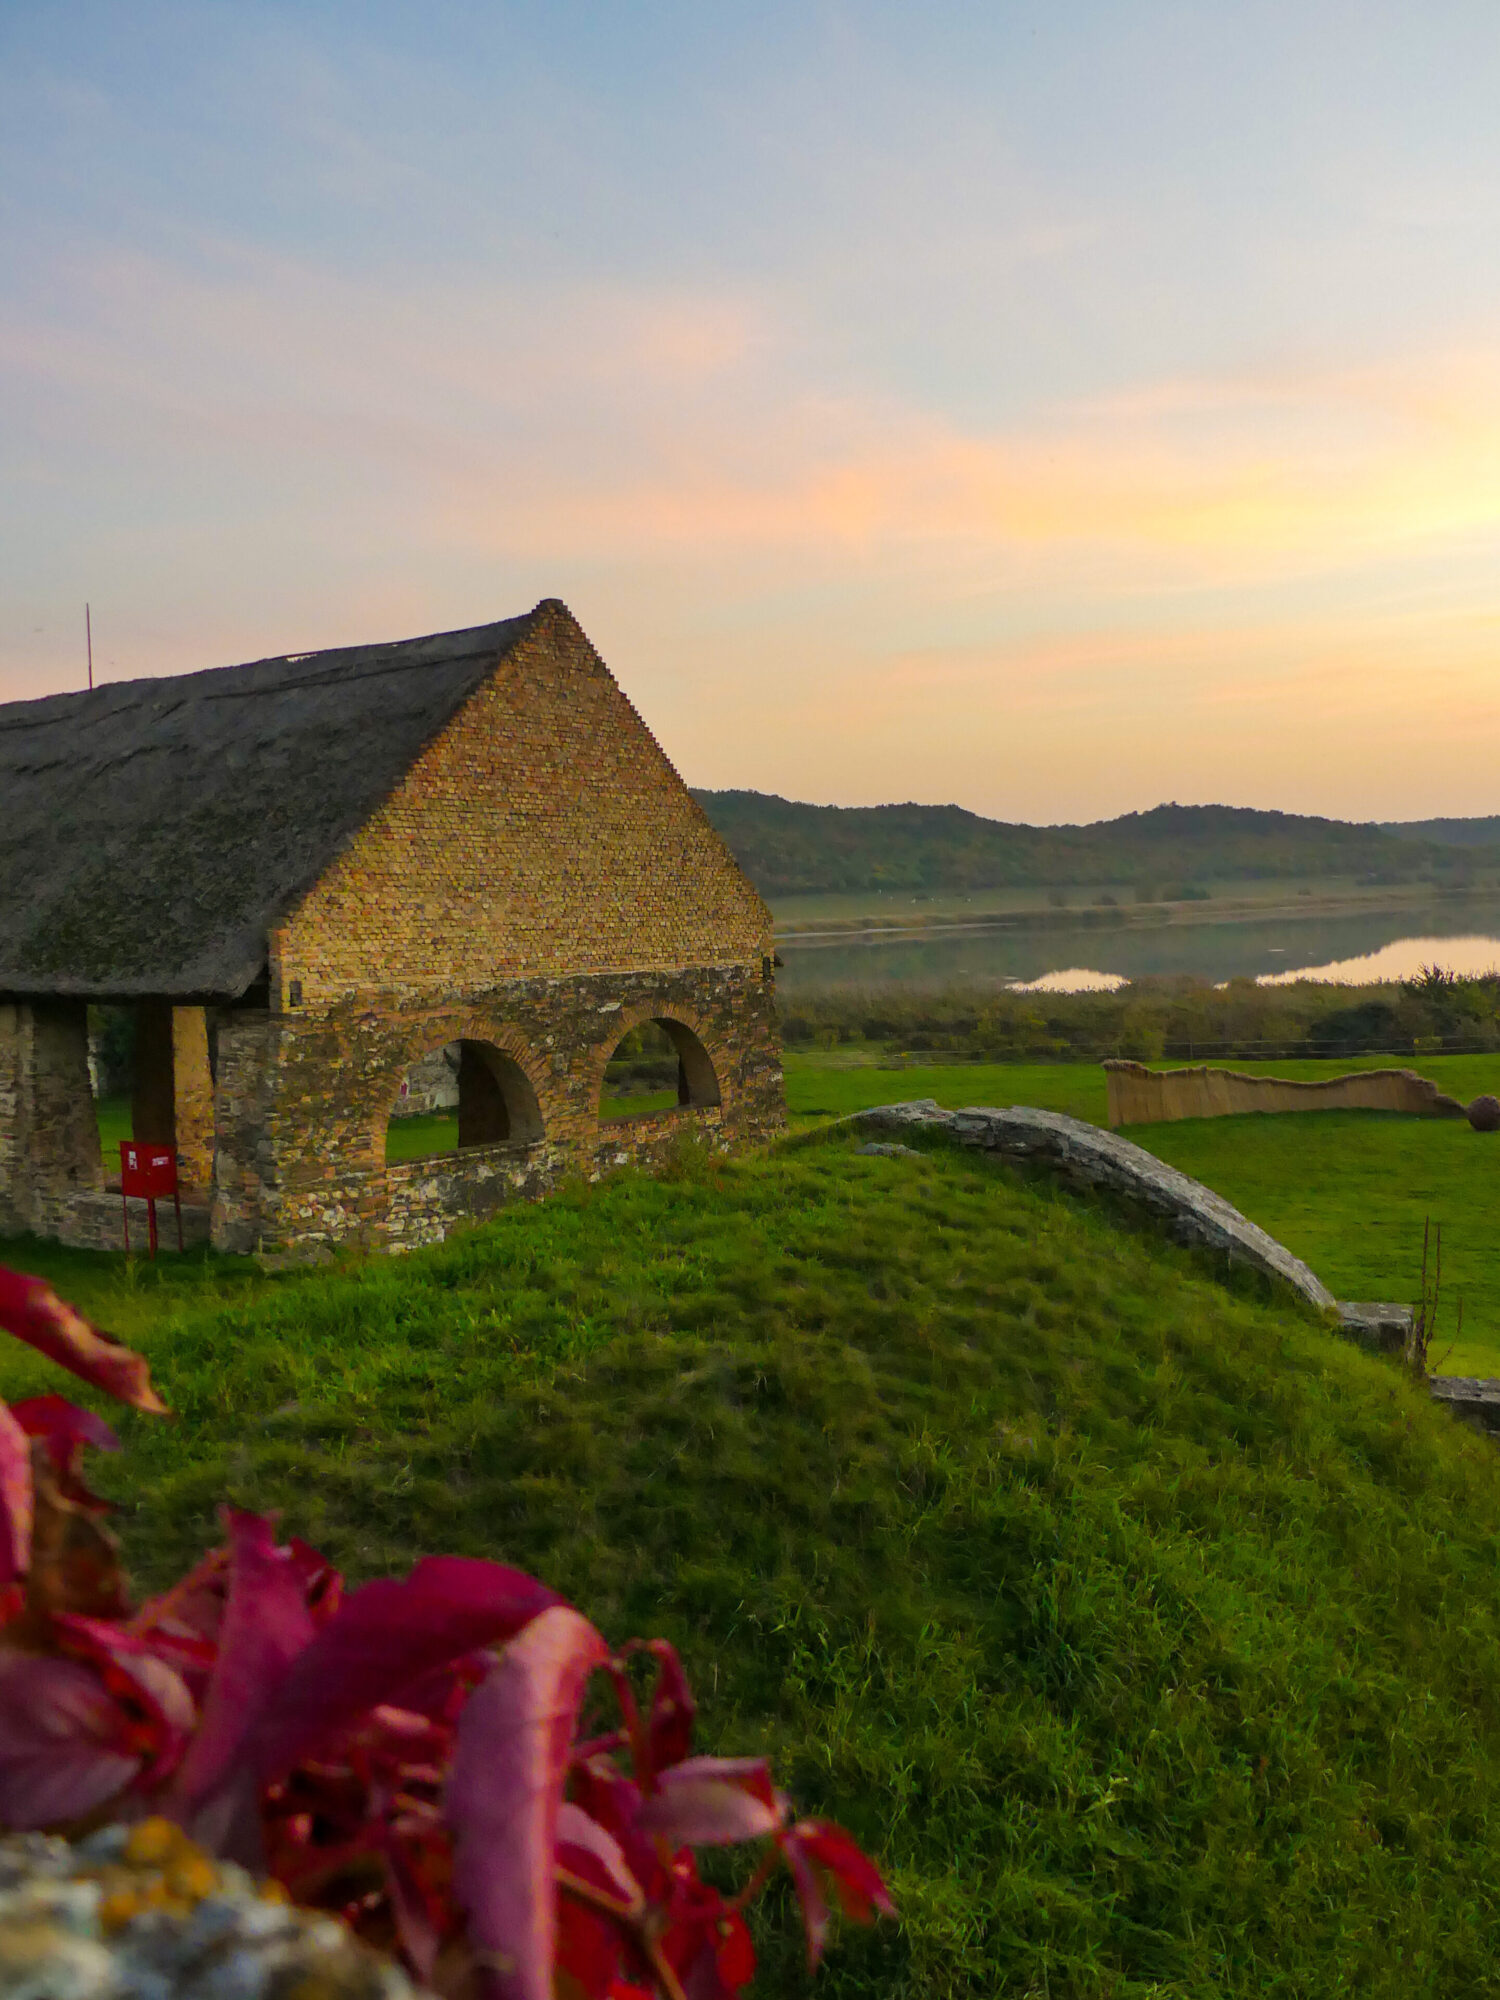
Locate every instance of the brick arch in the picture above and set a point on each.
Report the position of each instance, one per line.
(422, 1038)
(619, 1025)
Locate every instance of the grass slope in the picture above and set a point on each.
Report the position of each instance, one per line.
(1148, 1634)
(1347, 1191)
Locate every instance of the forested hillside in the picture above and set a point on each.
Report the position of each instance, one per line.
(788, 848)
(1447, 832)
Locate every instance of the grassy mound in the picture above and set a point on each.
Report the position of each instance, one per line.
(1347, 1191)
(1147, 1633)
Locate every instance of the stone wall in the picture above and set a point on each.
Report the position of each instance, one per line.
(431, 1084)
(1102, 1161)
(1141, 1096)
(96, 1221)
(49, 1134)
(305, 1099)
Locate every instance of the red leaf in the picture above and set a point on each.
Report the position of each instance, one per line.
(712, 1802)
(32, 1311)
(505, 1790)
(64, 1746)
(63, 1424)
(706, 1941)
(66, 1429)
(579, 1836)
(266, 1626)
(810, 1895)
(417, 1910)
(383, 1639)
(613, 1802)
(725, 1961)
(821, 1856)
(77, 1729)
(672, 1709)
(589, 1951)
(155, 1711)
(17, 1505)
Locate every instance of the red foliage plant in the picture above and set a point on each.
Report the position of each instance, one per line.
(408, 1754)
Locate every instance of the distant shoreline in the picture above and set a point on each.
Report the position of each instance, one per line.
(808, 934)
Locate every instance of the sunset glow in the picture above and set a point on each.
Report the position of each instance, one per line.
(1054, 412)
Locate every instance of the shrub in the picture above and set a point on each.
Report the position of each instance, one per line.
(422, 1757)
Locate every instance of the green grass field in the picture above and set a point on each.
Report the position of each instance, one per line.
(1146, 1632)
(1347, 1191)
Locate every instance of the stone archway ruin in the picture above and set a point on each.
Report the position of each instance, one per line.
(689, 1072)
(496, 1102)
(490, 1099)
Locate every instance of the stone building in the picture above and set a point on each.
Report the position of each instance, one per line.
(308, 875)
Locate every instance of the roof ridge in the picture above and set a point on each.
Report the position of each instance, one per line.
(380, 662)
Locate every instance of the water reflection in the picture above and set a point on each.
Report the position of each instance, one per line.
(1071, 979)
(1402, 959)
(1370, 944)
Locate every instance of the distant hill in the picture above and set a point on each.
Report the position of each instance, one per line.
(1447, 832)
(788, 848)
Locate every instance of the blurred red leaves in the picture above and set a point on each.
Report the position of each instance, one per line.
(406, 1755)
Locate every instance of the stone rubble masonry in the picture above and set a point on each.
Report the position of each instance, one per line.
(432, 1084)
(304, 1100)
(539, 882)
(1141, 1096)
(49, 1137)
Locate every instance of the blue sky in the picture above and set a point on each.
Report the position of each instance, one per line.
(1050, 408)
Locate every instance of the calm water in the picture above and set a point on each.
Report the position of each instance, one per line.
(1352, 950)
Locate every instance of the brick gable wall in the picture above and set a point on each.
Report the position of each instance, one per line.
(543, 833)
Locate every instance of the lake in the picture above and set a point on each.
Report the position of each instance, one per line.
(1354, 949)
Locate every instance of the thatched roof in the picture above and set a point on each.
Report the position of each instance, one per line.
(152, 832)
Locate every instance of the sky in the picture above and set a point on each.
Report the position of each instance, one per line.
(1048, 408)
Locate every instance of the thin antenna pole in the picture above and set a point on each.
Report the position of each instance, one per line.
(88, 627)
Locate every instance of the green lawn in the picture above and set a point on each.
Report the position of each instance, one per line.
(114, 1126)
(820, 1087)
(427, 1132)
(636, 1104)
(1146, 1632)
(1347, 1191)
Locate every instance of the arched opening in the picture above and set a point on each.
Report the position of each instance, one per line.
(467, 1093)
(657, 1066)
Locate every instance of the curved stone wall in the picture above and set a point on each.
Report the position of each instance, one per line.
(1193, 1214)
(1091, 1158)
(1141, 1096)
